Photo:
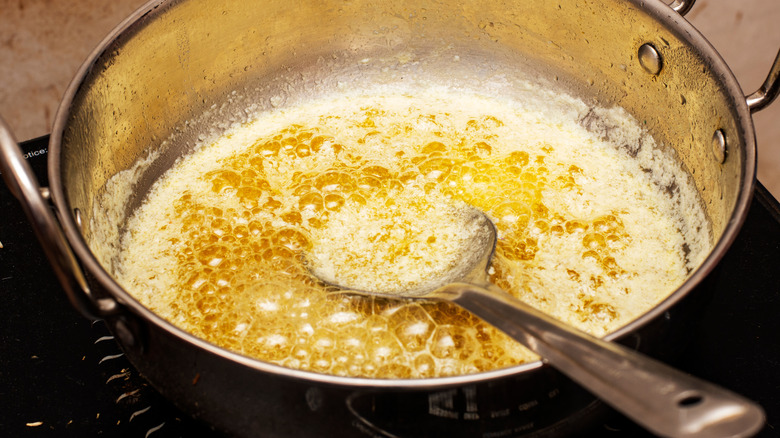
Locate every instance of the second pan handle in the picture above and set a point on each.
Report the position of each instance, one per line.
(769, 90)
(24, 186)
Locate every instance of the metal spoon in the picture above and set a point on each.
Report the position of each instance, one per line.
(662, 399)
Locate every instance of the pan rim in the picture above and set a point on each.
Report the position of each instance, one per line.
(657, 10)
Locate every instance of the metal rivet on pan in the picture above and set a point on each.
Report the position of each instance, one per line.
(650, 59)
(719, 145)
(124, 333)
(77, 215)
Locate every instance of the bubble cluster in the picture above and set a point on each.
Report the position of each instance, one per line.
(239, 247)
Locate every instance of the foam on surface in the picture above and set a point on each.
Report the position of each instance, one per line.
(585, 232)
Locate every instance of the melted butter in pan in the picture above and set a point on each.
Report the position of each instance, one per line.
(217, 247)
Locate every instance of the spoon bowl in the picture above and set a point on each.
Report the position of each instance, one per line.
(475, 250)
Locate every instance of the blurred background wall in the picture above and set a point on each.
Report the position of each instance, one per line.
(43, 42)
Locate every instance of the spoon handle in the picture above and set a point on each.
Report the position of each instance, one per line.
(662, 399)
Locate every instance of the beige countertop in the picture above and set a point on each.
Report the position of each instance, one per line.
(43, 42)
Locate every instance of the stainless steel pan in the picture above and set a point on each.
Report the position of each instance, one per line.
(179, 69)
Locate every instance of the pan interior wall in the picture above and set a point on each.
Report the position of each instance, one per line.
(188, 70)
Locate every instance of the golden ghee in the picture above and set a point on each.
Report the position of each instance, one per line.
(218, 246)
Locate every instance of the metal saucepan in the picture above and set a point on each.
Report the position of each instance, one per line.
(179, 69)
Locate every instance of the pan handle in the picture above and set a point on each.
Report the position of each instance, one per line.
(762, 97)
(24, 186)
(682, 6)
(770, 89)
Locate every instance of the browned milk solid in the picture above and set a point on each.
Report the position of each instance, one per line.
(583, 234)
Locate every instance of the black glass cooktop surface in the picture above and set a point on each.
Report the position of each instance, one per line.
(62, 375)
